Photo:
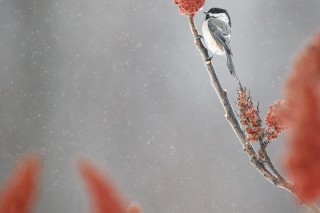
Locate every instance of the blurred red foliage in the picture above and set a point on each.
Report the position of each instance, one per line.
(275, 120)
(189, 7)
(104, 196)
(134, 208)
(303, 98)
(19, 192)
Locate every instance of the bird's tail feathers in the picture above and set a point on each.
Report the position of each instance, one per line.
(230, 64)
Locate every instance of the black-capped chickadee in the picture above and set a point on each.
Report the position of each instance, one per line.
(216, 31)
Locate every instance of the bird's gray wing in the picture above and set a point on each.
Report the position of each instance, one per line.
(219, 33)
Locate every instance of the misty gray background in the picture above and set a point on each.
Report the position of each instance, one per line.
(122, 83)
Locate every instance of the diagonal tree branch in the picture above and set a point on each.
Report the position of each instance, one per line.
(233, 121)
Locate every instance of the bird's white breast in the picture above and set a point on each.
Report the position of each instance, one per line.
(210, 41)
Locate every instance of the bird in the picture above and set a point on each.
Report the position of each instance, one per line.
(216, 30)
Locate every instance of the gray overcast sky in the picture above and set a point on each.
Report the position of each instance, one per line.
(122, 83)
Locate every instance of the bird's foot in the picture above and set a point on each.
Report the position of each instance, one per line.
(199, 37)
(208, 59)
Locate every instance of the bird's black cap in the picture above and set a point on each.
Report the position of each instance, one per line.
(216, 10)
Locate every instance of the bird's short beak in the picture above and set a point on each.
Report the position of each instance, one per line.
(205, 13)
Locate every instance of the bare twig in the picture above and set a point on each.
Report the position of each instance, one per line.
(267, 160)
(272, 176)
(263, 154)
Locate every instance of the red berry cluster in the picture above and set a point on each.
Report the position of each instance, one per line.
(189, 7)
(275, 120)
(249, 116)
